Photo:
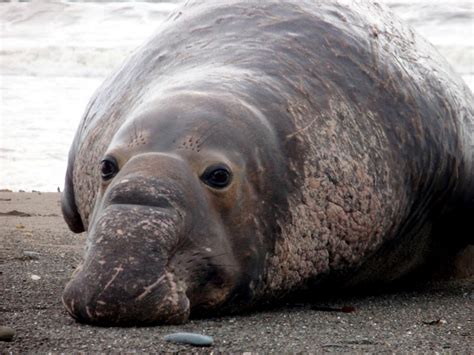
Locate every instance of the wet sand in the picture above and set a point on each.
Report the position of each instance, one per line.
(38, 254)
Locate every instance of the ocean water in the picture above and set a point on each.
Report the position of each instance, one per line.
(54, 54)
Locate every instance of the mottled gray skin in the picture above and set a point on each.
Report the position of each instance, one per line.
(350, 142)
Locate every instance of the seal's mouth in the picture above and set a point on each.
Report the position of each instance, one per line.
(125, 278)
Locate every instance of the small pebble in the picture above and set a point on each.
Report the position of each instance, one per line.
(435, 322)
(31, 254)
(6, 333)
(190, 338)
(35, 277)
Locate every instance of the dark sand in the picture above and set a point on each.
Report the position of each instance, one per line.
(393, 322)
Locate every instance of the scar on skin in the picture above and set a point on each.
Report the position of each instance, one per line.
(301, 130)
(70, 306)
(118, 270)
(89, 314)
(150, 288)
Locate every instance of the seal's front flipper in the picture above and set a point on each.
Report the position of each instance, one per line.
(68, 201)
(464, 263)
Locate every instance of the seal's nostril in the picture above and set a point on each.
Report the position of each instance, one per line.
(140, 191)
(163, 202)
(156, 201)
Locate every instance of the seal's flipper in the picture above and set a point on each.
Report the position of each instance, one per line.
(68, 201)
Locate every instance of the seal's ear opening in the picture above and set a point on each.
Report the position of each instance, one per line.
(68, 204)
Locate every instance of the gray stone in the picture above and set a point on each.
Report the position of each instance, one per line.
(6, 333)
(190, 338)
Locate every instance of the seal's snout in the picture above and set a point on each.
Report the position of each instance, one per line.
(125, 278)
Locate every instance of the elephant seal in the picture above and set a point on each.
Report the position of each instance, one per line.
(251, 150)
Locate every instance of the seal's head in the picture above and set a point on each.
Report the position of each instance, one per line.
(185, 214)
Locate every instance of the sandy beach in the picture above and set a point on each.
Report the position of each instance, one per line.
(38, 254)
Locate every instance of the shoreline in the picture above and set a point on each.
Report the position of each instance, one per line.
(7, 190)
(38, 254)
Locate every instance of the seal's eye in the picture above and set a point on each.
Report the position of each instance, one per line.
(217, 176)
(108, 168)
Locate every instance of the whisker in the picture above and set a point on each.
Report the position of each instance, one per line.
(215, 255)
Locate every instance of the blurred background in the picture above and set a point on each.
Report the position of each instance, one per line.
(54, 54)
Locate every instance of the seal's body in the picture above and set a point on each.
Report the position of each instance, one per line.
(251, 149)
